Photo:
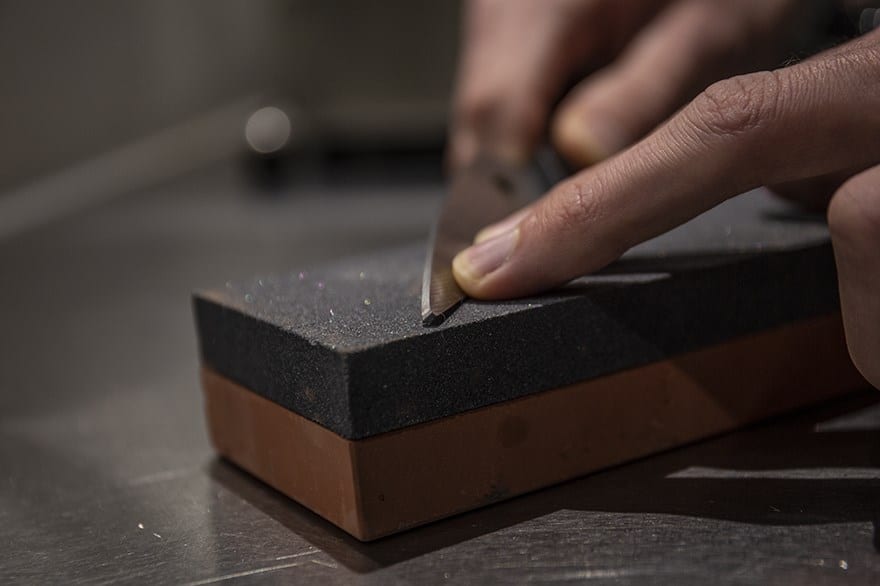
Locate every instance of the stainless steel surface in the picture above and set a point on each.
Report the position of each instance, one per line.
(479, 195)
(106, 475)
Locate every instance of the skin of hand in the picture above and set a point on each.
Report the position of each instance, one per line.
(519, 55)
(817, 118)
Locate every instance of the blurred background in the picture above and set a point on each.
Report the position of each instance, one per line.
(101, 97)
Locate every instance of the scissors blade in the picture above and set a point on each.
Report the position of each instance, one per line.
(482, 193)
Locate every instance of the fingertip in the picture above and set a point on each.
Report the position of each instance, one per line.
(579, 139)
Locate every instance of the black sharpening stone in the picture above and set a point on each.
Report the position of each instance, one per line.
(344, 345)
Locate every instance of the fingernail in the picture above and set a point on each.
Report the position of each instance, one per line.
(493, 230)
(479, 260)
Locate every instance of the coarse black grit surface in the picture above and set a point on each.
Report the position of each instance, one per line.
(343, 345)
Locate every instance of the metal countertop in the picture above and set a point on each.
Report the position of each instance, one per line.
(106, 474)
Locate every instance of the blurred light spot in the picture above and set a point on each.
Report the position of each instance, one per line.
(267, 130)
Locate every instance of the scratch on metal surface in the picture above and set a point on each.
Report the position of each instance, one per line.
(296, 555)
(169, 152)
(325, 564)
(588, 575)
(162, 476)
(782, 474)
(225, 577)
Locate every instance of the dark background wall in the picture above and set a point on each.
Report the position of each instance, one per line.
(84, 78)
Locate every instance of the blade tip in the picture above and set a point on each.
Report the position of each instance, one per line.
(431, 319)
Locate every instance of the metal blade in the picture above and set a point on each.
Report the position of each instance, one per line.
(485, 192)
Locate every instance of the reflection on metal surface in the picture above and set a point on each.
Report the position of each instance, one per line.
(483, 193)
(866, 419)
(166, 154)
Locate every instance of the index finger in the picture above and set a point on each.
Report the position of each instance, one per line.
(769, 127)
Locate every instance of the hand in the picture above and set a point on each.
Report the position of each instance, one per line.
(818, 117)
(518, 56)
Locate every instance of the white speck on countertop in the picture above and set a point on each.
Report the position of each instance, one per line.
(296, 555)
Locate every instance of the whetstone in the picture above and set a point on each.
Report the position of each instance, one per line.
(325, 384)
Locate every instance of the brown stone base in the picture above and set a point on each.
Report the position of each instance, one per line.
(393, 481)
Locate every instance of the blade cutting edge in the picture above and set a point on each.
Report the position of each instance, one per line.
(485, 192)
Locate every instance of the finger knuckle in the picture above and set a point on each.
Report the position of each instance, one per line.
(736, 106)
(492, 111)
(475, 107)
(578, 206)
